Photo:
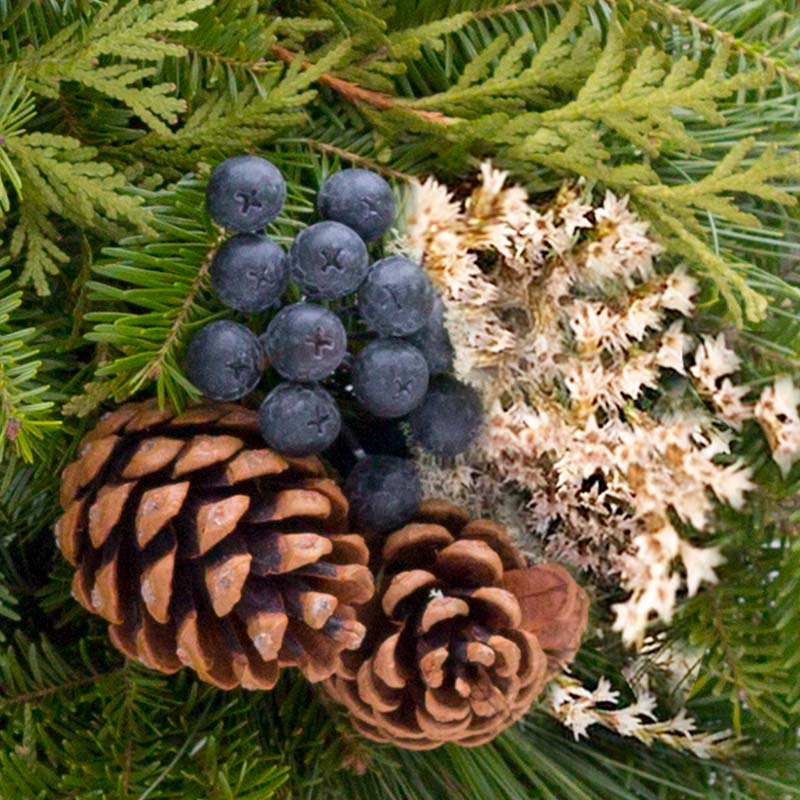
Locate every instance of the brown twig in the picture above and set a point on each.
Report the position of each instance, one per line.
(157, 364)
(358, 94)
(510, 8)
(348, 155)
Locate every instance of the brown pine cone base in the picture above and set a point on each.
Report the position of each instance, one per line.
(204, 548)
(448, 656)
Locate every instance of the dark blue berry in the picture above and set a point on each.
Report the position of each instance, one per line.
(360, 199)
(449, 418)
(249, 272)
(396, 298)
(245, 193)
(305, 342)
(389, 377)
(433, 341)
(299, 419)
(224, 360)
(328, 260)
(384, 493)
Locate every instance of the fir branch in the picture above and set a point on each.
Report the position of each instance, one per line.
(745, 627)
(16, 109)
(162, 301)
(24, 406)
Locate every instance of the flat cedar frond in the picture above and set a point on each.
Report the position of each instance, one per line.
(233, 124)
(122, 30)
(612, 115)
(63, 178)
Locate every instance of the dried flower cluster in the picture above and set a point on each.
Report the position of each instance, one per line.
(559, 318)
(579, 708)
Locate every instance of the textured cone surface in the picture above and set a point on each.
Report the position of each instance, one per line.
(451, 654)
(204, 548)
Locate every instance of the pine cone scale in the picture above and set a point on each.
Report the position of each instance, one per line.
(254, 464)
(225, 581)
(204, 451)
(156, 585)
(152, 455)
(156, 508)
(214, 521)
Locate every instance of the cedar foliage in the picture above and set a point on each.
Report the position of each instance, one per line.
(112, 113)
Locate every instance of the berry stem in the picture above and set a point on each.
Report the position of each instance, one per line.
(353, 443)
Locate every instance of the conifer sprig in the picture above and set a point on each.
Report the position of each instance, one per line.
(104, 110)
(158, 293)
(24, 403)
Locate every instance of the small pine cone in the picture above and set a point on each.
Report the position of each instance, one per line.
(451, 654)
(204, 548)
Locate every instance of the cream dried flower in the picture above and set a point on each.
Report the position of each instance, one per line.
(776, 411)
(565, 335)
(579, 708)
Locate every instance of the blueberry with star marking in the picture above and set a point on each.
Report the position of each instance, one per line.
(299, 419)
(328, 260)
(396, 298)
(224, 360)
(245, 193)
(360, 199)
(305, 342)
(389, 377)
(249, 272)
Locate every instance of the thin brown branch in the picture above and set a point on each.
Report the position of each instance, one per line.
(358, 94)
(38, 694)
(177, 324)
(510, 8)
(348, 155)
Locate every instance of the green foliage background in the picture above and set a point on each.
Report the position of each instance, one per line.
(112, 113)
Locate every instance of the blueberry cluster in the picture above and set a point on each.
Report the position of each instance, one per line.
(401, 370)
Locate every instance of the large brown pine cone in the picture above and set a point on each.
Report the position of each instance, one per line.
(204, 548)
(451, 654)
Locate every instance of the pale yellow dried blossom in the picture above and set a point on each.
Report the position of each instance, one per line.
(560, 319)
(776, 411)
(579, 708)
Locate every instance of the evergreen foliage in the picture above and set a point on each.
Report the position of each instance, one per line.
(112, 113)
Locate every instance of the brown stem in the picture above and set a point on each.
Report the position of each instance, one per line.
(348, 155)
(358, 94)
(157, 364)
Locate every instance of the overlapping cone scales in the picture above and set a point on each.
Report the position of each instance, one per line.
(452, 654)
(204, 548)
(553, 607)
